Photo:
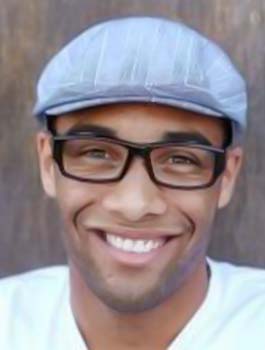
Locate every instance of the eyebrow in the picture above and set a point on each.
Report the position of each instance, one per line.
(170, 136)
(186, 137)
(80, 129)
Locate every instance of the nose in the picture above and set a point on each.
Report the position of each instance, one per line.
(135, 196)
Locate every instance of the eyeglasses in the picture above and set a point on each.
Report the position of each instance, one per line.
(92, 158)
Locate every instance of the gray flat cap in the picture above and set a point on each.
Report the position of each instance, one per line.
(143, 59)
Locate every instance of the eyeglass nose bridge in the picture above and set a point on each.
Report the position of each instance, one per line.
(144, 153)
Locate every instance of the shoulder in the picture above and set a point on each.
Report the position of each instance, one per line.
(237, 275)
(33, 283)
(30, 300)
(236, 306)
(240, 288)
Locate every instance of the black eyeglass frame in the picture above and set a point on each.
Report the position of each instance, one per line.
(135, 149)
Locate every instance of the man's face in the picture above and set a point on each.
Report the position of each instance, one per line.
(176, 223)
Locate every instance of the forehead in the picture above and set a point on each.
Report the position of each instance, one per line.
(143, 122)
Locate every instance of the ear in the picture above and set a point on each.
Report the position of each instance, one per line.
(46, 163)
(233, 164)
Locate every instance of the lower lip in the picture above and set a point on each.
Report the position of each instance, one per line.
(130, 258)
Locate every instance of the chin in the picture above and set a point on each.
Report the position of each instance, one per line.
(130, 303)
(129, 296)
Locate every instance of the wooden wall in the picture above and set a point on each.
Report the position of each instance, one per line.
(31, 32)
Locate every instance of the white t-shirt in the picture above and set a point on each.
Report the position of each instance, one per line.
(35, 313)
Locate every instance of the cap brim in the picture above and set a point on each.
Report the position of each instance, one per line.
(78, 105)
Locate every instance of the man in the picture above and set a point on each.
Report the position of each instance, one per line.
(141, 145)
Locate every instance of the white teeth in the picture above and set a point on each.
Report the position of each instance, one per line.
(140, 246)
(134, 245)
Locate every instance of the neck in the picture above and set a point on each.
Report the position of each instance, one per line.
(104, 328)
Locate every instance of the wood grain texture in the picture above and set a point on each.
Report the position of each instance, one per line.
(31, 32)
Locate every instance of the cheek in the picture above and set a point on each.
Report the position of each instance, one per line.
(73, 197)
(199, 206)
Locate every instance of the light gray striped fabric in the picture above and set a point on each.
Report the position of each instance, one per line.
(142, 59)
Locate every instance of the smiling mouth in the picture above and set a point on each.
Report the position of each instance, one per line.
(139, 246)
(134, 249)
(133, 243)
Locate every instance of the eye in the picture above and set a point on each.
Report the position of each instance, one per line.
(96, 153)
(179, 159)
